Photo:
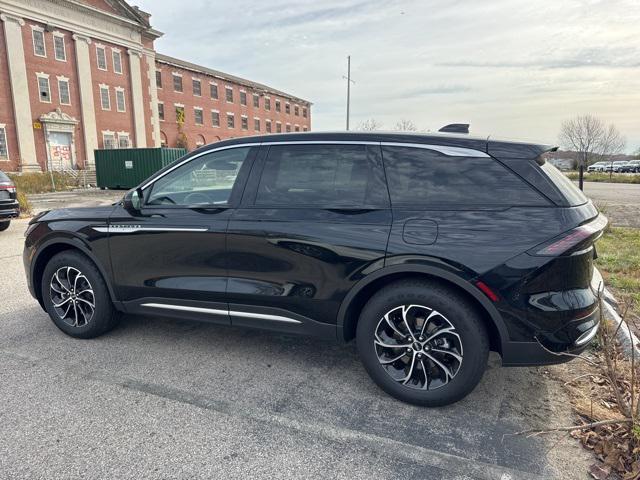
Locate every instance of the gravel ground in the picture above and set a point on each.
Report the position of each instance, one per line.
(157, 398)
(620, 201)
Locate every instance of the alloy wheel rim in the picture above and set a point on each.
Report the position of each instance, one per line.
(72, 296)
(418, 347)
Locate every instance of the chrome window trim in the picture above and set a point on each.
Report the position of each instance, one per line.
(446, 150)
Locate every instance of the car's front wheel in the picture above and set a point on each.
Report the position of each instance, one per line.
(422, 343)
(76, 297)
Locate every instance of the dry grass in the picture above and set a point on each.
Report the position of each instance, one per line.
(25, 205)
(41, 182)
(605, 177)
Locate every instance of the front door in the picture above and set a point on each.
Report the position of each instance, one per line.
(170, 257)
(60, 150)
(314, 219)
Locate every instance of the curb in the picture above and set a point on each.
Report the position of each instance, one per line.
(626, 337)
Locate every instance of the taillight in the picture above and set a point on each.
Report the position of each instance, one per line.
(572, 238)
(8, 187)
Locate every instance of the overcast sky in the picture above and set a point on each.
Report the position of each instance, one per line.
(511, 68)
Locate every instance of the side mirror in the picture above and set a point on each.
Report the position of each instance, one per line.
(132, 200)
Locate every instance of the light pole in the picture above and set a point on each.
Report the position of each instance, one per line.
(349, 82)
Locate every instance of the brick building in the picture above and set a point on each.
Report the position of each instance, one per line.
(78, 75)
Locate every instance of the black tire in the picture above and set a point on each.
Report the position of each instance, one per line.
(4, 225)
(104, 316)
(452, 308)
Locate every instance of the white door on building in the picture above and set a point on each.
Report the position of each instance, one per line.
(60, 150)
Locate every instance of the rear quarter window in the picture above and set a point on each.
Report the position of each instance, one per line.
(421, 177)
(567, 188)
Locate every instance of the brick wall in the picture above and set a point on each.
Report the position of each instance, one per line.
(6, 110)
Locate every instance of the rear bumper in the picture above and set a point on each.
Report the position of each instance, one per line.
(9, 210)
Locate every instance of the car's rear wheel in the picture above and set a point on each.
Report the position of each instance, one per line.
(76, 296)
(4, 226)
(422, 343)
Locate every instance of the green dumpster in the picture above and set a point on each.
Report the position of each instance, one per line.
(128, 167)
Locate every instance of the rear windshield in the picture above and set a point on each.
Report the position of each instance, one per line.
(4, 178)
(568, 189)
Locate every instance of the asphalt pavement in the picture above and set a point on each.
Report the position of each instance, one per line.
(159, 398)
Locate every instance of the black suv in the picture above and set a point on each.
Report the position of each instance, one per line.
(428, 250)
(9, 207)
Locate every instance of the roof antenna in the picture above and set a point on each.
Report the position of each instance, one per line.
(455, 128)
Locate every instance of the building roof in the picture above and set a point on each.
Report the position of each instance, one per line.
(225, 76)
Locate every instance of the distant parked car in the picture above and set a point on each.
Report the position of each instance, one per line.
(9, 207)
(597, 167)
(631, 167)
(614, 166)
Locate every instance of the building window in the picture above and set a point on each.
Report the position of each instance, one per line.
(177, 83)
(63, 91)
(39, 48)
(288, 127)
(102, 57)
(277, 105)
(230, 121)
(197, 87)
(243, 97)
(213, 91)
(59, 50)
(268, 126)
(304, 129)
(256, 100)
(267, 103)
(44, 88)
(287, 108)
(159, 78)
(120, 103)
(256, 124)
(278, 127)
(296, 110)
(4, 151)
(117, 61)
(229, 94)
(161, 111)
(105, 98)
(215, 118)
(297, 128)
(179, 113)
(199, 117)
(244, 122)
(304, 112)
(123, 140)
(109, 140)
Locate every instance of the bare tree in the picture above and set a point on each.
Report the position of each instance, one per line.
(370, 124)
(405, 125)
(588, 136)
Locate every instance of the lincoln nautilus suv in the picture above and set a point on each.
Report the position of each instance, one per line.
(429, 251)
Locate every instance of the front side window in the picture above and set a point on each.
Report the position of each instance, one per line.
(420, 177)
(4, 151)
(58, 48)
(206, 180)
(321, 175)
(39, 48)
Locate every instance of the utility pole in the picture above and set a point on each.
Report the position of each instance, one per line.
(349, 82)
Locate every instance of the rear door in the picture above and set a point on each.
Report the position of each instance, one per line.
(170, 256)
(314, 219)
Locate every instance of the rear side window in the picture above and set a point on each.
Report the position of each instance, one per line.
(321, 176)
(420, 177)
(572, 193)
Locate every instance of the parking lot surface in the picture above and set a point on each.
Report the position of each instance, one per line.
(158, 398)
(619, 201)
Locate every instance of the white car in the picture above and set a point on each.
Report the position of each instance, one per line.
(597, 167)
